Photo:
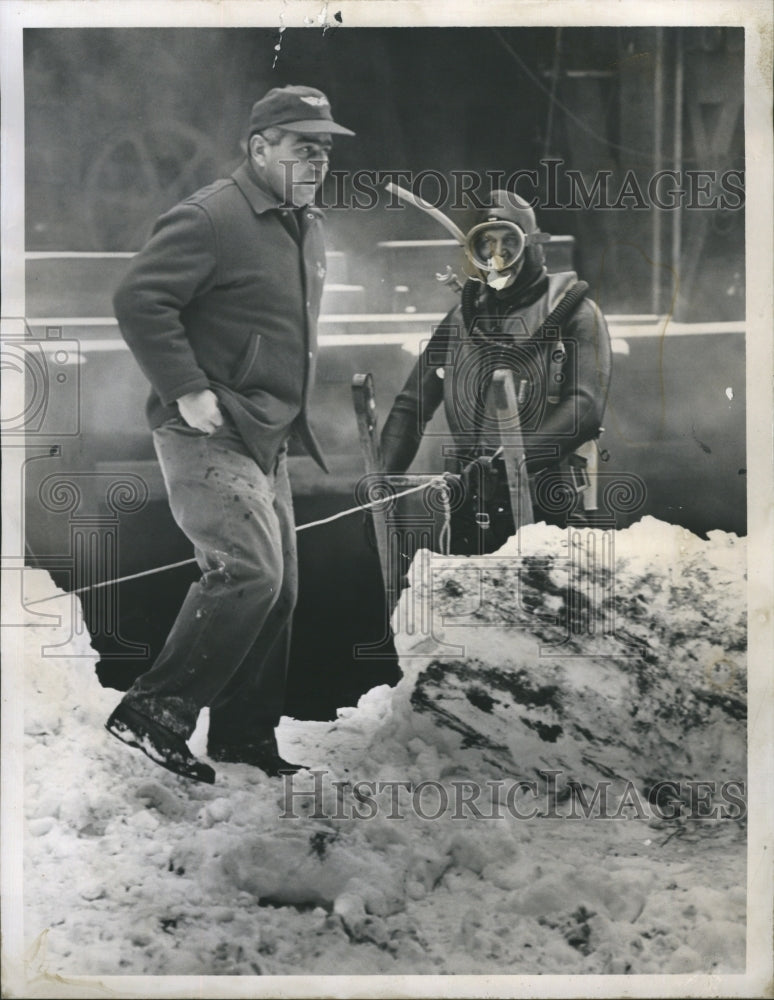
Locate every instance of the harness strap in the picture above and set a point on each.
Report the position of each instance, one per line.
(556, 318)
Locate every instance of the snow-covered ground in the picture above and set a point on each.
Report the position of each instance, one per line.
(129, 870)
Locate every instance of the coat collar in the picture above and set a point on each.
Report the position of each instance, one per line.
(260, 198)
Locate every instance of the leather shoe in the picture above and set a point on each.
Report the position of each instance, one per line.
(157, 742)
(262, 753)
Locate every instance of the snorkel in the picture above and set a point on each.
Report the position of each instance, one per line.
(496, 246)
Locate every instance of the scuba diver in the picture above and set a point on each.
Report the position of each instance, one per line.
(513, 315)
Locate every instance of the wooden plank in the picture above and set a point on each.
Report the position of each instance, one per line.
(393, 535)
(512, 443)
(364, 399)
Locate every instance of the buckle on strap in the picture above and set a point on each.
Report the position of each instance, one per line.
(579, 473)
(555, 373)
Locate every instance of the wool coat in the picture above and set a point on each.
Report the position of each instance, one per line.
(226, 296)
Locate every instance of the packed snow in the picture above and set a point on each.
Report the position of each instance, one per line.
(407, 848)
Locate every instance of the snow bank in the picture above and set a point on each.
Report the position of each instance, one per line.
(376, 860)
(603, 654)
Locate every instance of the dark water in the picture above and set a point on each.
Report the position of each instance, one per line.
(340, 607)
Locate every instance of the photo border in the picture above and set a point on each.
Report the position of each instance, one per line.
(21, 976)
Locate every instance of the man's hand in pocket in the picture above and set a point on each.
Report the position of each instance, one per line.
(201, 410)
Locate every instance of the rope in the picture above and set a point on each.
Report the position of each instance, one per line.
(444, 536)
(301, 527)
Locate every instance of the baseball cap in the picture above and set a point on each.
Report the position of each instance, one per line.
(298, 109)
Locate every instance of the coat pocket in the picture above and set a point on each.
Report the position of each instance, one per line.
(247, 361)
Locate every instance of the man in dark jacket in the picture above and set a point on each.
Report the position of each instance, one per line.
(560, 362)
(220, 310)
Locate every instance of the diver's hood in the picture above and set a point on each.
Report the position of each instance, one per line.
(510, 207)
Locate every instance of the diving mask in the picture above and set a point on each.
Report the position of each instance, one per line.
(497, 247)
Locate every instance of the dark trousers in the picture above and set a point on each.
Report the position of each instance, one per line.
(228, 648)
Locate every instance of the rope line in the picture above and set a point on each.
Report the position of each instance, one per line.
(436, 480)
(444, 538)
